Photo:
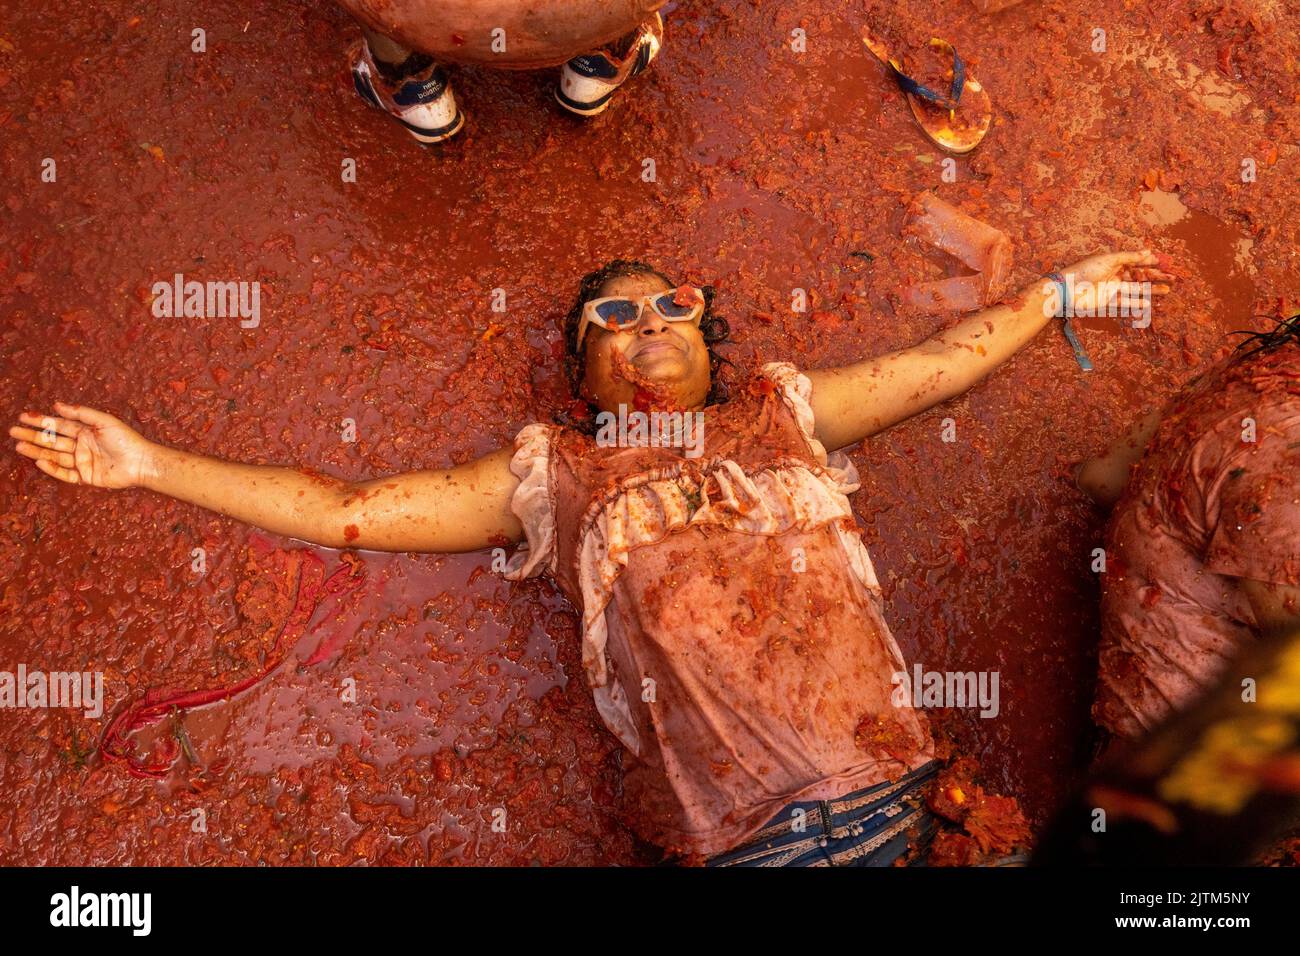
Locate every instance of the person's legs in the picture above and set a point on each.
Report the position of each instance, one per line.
(588, 82)
(407, 85)
(390, 55)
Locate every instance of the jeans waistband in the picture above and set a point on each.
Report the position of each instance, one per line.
(837, 817)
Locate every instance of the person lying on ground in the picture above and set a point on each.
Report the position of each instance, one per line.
(1203, 545)
(731, 620)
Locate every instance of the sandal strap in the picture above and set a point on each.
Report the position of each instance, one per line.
(958, 74)
(910, 85)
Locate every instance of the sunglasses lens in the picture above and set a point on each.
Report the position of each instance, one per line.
(669, 306)
(618, 312)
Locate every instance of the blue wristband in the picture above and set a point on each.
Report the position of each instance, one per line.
(1076, 346)
(1064, 288)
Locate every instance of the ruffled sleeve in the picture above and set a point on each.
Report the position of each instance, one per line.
(533, 502)
(796, 390)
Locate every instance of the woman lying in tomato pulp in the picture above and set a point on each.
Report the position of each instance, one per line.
(732, 632)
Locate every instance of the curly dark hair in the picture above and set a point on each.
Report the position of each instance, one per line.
(713, 327)
(1287, 330)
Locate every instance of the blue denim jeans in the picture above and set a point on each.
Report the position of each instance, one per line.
(869, 827)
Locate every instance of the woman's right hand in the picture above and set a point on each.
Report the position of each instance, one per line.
(84, 446)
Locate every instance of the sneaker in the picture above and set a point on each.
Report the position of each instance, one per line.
(422, 102)
(588, 82)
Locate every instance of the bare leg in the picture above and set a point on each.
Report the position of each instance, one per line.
(394, 60)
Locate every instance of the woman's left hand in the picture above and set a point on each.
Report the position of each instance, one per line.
(1126, 280)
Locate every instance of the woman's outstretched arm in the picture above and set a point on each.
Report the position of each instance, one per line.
(1104, 478)
(456, 509)
(856, 401)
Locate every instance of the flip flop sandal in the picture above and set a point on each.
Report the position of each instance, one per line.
(937, 114)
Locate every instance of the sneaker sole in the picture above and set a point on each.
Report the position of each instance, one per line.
(430, 136)
(584, 109)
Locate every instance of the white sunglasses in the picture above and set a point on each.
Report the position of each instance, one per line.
(616, 312)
